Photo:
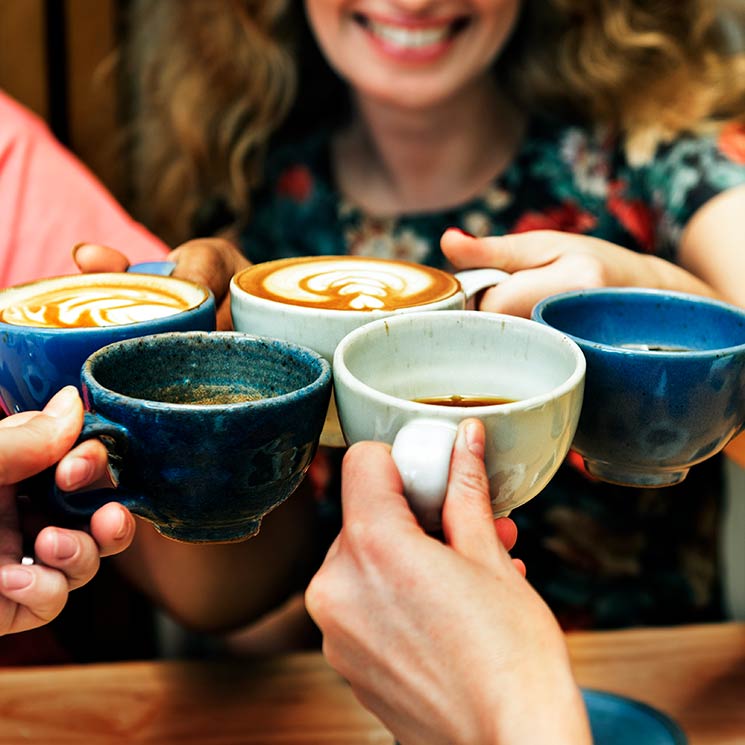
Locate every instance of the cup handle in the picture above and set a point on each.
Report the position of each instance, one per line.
(421, 452)
(81, 505)
(164, 268)
(475, 280)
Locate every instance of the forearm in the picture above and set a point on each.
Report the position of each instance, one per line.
(216, 587)
(664, 275)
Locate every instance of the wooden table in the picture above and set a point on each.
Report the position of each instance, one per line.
(696, 674)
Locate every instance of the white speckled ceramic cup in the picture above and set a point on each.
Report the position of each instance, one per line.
(316, 300)
(382, 371)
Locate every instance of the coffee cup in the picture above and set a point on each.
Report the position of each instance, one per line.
(49, 327)
(207, 432)
(408, 380)
(665, 382)
(317, 300)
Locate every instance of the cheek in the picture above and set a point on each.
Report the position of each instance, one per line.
(500, 18)
(324, 17)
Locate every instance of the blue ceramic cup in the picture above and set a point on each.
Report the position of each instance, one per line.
(665, 382)
(207, 432)
(49, 327)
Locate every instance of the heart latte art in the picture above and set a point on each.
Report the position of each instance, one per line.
(348, 283)
(84, 301)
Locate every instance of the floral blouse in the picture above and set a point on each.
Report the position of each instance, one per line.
(602, 556)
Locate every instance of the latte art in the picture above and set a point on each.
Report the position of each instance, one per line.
(88, 301)
(348, 283)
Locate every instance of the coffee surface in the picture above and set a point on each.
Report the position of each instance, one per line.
(55, 305)
(203, 394)
(347, 283)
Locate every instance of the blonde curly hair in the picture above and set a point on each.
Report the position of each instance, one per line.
(214, 80)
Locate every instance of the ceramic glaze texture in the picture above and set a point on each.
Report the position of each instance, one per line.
(38, 361)
(198, 469)
(380, 368)
(665, 385)
(400, 287)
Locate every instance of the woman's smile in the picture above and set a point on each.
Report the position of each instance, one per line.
(413, 54)
(411, 38)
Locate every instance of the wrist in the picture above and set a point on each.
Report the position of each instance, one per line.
(545, 707)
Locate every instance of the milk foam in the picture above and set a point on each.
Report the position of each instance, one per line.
(85, 306)
(356, 284)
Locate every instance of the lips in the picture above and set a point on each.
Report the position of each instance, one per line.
(412, 36)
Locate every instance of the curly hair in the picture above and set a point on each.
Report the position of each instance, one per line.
(214, 80)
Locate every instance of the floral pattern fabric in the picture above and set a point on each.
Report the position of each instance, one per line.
(601, 556)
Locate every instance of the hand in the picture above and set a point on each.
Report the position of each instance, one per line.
(31, 596)
(545, 262)
(208, 261)
(444, 642)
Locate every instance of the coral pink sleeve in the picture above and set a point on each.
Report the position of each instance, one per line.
(49, 201)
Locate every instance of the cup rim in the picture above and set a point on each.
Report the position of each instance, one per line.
(320, 381)
(341, 370)
(292, 308)
(91, 278)
(642, 292)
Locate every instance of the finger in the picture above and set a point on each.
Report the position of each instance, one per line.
(372, 492)
(519, 294)
(113, 528)
(467, 521)
(506, 532)
(85, 465)
(40, 441)
(72, 552)
(511, 253)
(209, 261)
(37, 595)
(224, 317)
(92, 257)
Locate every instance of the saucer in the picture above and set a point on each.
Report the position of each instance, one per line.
(617, 720)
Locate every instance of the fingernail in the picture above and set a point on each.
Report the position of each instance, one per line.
(15, 578)
(77, 472)
(463, 232)
(65, 546)
(123, 528)
(474, 443)
(63, 402)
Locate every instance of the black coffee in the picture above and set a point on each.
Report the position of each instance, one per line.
(655, 347)
(467, 401)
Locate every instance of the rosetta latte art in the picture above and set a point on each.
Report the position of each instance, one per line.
(349, 283)
(77, 307)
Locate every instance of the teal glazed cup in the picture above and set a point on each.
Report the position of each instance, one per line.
(665, 385)
(207, 433)
(49, 327)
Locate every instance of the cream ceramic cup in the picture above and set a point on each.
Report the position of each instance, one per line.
(382, 371)
(315, 301)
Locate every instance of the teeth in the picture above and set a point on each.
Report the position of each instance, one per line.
(410, 38)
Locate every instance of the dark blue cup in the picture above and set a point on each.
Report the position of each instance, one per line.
(49, 327)
(665, 382)
(206, 432)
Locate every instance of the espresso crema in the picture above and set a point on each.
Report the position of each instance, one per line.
(88, 301)
(348, 283)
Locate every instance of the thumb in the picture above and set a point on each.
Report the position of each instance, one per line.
(92, 257)
(467, 521)
(511, 253)
(28, 445)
